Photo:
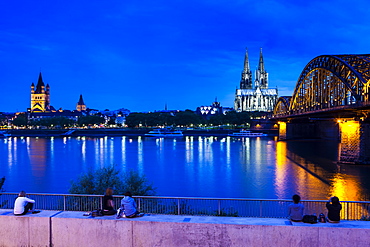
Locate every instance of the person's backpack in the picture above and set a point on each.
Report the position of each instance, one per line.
(309, 219)
(97, 212)
(322, 218)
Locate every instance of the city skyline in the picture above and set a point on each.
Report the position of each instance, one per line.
(144, 56)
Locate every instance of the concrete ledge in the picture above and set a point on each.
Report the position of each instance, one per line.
(25, 230)
(73, 229)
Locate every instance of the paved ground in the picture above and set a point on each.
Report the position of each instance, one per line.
(197, 219)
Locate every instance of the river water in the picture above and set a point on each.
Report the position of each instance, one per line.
(224, 167)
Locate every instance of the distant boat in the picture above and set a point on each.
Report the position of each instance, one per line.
(68, 133)
(164, 133)
(246, 133)
(4, 134)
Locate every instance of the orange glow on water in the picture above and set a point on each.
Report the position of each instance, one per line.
(346, 188)
(280, 172)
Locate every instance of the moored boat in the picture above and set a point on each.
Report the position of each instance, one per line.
(246, 133)
(164, 133)
(4, 134)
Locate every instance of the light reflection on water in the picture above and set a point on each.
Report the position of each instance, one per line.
(189, 166)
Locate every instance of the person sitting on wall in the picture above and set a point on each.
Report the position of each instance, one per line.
(128, 207)
(295, 210)
(333, 210)
(23, 204)
(108, 203)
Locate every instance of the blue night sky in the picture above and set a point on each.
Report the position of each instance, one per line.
(141, 55)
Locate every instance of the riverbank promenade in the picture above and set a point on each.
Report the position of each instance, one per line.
(66, 228)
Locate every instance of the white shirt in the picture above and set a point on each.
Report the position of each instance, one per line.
(20, 203)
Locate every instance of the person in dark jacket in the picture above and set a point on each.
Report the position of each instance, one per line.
(333, 210)
(108, 203)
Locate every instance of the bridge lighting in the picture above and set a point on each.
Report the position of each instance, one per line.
(349, 127)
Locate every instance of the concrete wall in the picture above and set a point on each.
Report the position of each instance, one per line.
(27, 230)
(72, 229)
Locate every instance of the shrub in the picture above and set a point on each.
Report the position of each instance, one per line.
(137, 184)
(2, 181)
(96, 182)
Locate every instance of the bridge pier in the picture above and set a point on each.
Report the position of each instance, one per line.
(353, 136)
(309, 129)
(364, 156)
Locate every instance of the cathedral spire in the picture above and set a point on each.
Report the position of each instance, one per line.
(261, 74)
(246, 61)
(261, 65)
(246, 80)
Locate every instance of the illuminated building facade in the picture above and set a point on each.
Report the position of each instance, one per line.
(215, 109)
(255, 96)
(40, 96)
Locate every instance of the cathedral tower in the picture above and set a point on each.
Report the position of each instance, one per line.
(246, 80)
(261, 74)
(40, 97)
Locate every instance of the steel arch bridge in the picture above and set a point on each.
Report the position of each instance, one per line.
(329, 83)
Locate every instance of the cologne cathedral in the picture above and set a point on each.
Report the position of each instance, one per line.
(255, 96)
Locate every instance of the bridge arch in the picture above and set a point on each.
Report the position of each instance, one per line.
(282, 106)
(330, 81)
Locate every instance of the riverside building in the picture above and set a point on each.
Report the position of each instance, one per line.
(255, 96)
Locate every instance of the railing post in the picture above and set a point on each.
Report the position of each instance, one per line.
(139, 203)
(178, 206)
(347, 217)
(219, 207)
(64, 203)
(260, 208)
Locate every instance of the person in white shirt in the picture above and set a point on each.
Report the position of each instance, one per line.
(23, 204)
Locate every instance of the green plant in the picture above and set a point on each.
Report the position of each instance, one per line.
(96, 182)
(137, 184)
(2, 181)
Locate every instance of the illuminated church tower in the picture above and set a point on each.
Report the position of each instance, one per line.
(257, 97)
(81, 104)
(261, 74)
(40, 96)
(246, 81)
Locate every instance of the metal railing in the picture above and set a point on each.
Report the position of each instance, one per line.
(260, 208)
